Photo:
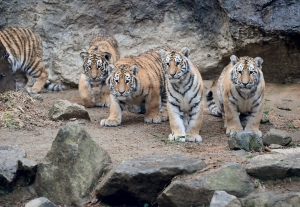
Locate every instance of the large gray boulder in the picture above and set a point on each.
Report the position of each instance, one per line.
(139, 181)
(274, 166)
(14, 167)
(213, 30)
(276, 136)
(199, 190)
(71, 168)
(65, 110)
(270, 199)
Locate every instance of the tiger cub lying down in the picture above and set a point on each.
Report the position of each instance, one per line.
(241, 89)
(103, 50)
(133, 80)
(184, 87)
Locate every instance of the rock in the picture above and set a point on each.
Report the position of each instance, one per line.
(295, 166)
(40, 202)
(223, 199)
(275, 136)
(264, 118)
(239, 152)
(287, 151)
(275, 146)
(20, 195)
(71, 168)
(7, 81)
(270, 199)
(274, 166)
(213, 30)
(139, 181)
(63, 109)
(261, 199)
(198, 190)
(245, 140)
(14, 167)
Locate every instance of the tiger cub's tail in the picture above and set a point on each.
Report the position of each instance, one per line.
(54, 87)
(213, 108)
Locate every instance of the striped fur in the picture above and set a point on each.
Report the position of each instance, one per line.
(240, 92)
(25, 57)
(103, 50)
(185, 95)
(134, 80)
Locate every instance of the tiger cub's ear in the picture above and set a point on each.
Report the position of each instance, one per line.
(134, 69)
(107, 56)
(110, 68)
(258, 61)
(186, 52)
(162, 53)
(234, 59)
(83, 55)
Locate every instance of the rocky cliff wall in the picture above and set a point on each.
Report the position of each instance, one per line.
(213, 30)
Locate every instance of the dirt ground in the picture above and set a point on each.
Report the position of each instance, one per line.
(134, 138)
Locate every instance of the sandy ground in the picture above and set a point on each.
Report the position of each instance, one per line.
(134, 138)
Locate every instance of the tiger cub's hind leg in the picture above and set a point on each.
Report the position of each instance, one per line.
(21, 80)
(86, 92)
(104, 96)
(40, 74)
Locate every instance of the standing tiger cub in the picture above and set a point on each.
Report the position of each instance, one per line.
(134, 80)
(184, 88)
(241, 88)
(103, 50)
(24, 48)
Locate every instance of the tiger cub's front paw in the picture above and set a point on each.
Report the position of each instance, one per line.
(154, 120)
(194, 138)
(110, 122)
(31, 90)
(255, 131)
(232, 130)
(102, 104)
(172, 137)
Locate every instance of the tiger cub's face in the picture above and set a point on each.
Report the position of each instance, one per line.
(175, 64)
(122, 80)
(95, 66)
(246, 72)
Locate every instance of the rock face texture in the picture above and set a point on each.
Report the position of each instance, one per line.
(71, 168)
(64, 110)
(15, 169)
(275, 166)
(213, 30)
(139, 181)
(199, 190)
(246, 140)
(276, 136)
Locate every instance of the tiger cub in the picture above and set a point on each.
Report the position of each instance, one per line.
(184, 88)
(134, 80)
(25, 53)
(103, 50)
(241, 89)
